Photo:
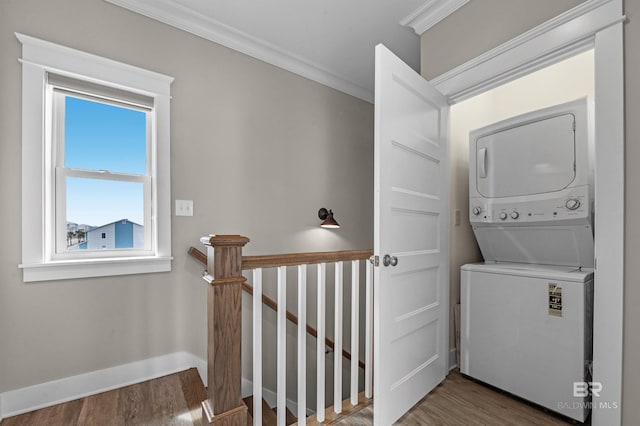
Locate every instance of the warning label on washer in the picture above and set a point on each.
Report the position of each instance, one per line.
(555, 300)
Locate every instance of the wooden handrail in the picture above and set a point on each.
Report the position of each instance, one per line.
(198, 255)
(293, 260)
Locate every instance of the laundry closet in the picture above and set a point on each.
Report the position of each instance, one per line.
(526, 312)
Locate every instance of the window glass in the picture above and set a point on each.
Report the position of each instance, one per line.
(95, 204)
(103, 180)
(101, 136)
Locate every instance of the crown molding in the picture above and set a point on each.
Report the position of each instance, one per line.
(574, 29)
(430, 13)
(172, 13)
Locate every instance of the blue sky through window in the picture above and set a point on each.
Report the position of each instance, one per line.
(98, 202)
(100, 136)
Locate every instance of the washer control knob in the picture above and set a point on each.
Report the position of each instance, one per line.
(515, 215)
(572, 203)
(503, 216)
(477, 211)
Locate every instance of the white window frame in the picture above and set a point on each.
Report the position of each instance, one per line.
(55, 103)
(39, 260)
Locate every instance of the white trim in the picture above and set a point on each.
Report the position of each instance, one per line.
(87, 268)
(38, 58)
(62, 59)
(563, 36)
(15, 402)
(609, 230)
(172, 13)
(598, 24)
(430, 13)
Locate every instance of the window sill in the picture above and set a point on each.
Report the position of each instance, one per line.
(62, 270)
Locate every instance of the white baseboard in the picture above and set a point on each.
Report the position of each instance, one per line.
(46, 394)
(19, 401)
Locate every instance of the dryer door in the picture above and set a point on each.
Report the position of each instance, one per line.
(532, 158)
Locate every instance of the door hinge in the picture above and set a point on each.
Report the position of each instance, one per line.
(375, 260)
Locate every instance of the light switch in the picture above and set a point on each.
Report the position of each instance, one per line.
(184, 207)
(456, 220)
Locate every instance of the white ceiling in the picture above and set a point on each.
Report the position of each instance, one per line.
(329, 41)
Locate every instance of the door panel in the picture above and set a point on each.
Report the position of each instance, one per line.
(412, 230)
(413, 282)
(411, 224)
(414, 171)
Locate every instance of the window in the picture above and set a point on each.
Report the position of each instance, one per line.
(96, 146)
(100, 146)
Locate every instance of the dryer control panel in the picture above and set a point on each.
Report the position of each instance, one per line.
(573, 203)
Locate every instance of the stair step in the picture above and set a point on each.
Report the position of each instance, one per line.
(269, 417)
(290, 418)
(330, 416)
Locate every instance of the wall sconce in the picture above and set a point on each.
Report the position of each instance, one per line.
(327, 218)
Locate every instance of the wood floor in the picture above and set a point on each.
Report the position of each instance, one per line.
(169, 400)
(459, 401)
(175, 400)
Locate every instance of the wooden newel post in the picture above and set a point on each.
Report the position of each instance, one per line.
(224, 405)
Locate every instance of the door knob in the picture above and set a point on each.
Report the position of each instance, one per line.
(389, 260)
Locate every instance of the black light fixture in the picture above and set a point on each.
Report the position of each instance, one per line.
(326, 216)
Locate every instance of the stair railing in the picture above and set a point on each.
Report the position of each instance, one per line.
(224, 265)
(273, 305)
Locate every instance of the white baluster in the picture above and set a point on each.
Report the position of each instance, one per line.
(355, 324)
(337, 353)
(320, 406)
(257, 346)
(368, 347)
(302, 345)
(282, 346)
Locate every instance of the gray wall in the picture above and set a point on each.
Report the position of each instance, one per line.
(484, 24)
(258, 149)
(479, 26)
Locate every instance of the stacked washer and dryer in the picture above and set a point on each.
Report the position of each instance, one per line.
(526, 312)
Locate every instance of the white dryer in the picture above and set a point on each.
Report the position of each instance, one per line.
(531, 187)
(526, 321)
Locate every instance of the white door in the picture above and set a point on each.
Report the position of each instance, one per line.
(411, 221)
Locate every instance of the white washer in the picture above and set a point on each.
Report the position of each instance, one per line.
(527, 329)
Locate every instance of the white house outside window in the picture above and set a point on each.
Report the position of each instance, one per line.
(96, 177)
